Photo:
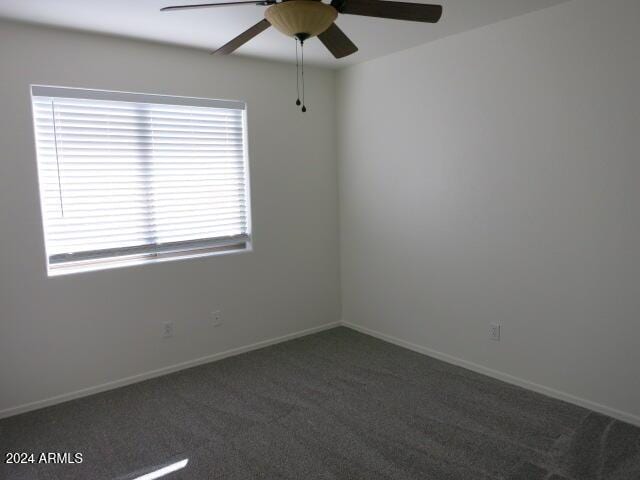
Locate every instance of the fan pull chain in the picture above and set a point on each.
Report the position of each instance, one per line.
(297, 74)
(300, 72)
(304, 108)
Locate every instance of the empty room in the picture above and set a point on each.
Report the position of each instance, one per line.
(320, 240)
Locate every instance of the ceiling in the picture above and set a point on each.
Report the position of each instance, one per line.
(211, 28)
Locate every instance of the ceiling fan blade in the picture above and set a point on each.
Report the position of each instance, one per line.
(243, 38)
(337, 42)
(415, 12)
(223, 4)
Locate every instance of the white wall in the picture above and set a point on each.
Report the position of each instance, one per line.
(58, 335)
(490, 176)
(495, 176)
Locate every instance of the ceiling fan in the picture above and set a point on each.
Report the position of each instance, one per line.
(303, 19)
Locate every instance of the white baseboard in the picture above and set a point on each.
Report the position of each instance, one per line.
(612, 412)
(550, 392)
(11, 411)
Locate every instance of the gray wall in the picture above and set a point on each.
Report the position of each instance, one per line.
(493, 176)
(58, 335)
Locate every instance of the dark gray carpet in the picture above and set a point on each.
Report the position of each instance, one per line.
(335, 405)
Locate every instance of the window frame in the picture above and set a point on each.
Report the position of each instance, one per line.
(150, 253)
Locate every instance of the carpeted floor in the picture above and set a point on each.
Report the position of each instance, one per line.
(335, 405)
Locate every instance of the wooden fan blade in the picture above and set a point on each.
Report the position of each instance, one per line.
(207, 5)
(337, 42)
(243, 38)
(414, 12)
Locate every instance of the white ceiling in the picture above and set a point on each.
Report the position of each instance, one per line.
(211, 28)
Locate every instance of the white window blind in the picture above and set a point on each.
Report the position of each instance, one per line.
(132, 177)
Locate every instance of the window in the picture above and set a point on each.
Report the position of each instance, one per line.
(130, 178)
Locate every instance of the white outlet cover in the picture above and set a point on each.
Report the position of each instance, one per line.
(216, 318)
(494, 331)
(167, 329)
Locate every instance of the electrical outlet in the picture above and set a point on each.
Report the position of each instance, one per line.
(216, 318)
(167, 329)
(494, 331)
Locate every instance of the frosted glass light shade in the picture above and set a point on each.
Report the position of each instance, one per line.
(293, 17)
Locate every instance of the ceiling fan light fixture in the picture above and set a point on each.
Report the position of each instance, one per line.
(301, 18)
